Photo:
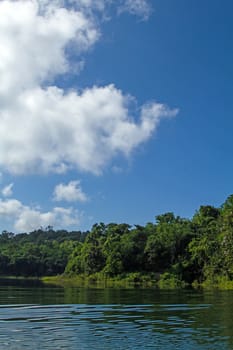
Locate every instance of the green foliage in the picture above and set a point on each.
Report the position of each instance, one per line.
(170, 281)
(113, 255)
(36, 254)
(133, 245)
(167, 244)
(180, 251)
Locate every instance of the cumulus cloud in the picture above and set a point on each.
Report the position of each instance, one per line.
(48, 130)
(44, 128)
(30, 219)
(72, 192)
(10, 207)
(27, 218)
(33, 44)
(7, 190)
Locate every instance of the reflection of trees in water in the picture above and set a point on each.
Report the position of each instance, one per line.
(217, 321)
(202, 318)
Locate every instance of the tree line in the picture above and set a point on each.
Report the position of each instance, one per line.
(189, 250)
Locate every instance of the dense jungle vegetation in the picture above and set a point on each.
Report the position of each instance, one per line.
(184, 251)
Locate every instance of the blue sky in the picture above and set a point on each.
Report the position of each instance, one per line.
(113, 112)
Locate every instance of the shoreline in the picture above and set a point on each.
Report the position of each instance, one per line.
(129, 281)
(126, 281)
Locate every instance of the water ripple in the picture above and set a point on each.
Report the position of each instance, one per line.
(74, 326)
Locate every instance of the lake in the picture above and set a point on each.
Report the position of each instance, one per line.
(34, 316)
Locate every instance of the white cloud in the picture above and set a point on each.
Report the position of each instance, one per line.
(139, 8)
(72, 192)
(44, 128)
(10, 207)
(7, 190)
(56, 131)
(27, 218)
(32, 45)
(30, 219)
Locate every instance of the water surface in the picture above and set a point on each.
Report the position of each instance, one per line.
(38, 317)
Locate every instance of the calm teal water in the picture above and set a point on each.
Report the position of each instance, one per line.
(38, 317)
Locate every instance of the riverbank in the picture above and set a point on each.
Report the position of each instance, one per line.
(124, 281)
(218, 282)
(130, 280)
(98, 280)
(136, 280)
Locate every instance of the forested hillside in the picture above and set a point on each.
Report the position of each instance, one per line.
(187, 250)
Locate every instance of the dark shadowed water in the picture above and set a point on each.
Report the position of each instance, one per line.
(33, 316)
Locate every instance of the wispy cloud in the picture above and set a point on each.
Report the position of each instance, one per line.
(140, 8)
(7, 190)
